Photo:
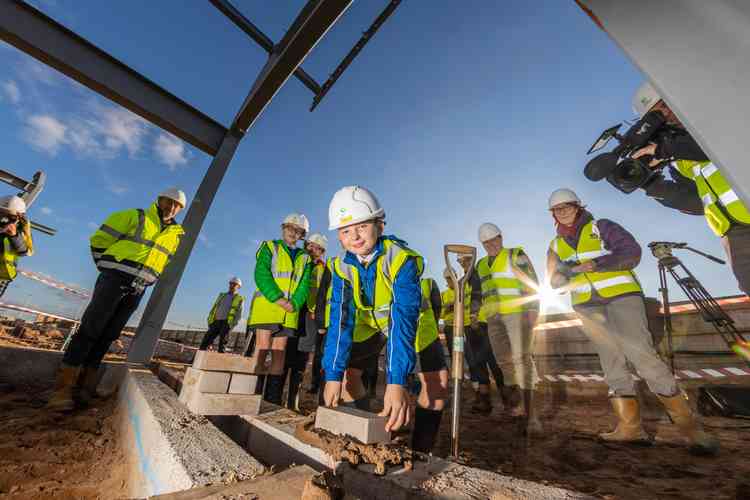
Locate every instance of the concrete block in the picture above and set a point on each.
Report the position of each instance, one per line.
(364, 426)
(234, 363)
(242, 383)
(203, 403)
(209, 382)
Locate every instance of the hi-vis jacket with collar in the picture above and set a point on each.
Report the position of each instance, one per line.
(136, 242)
(359, 309)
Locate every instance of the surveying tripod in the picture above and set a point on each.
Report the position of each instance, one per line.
(709, 309)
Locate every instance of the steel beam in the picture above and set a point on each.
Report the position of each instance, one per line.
(43, 38)
(243, 23)
(309, 27)
(696, 55)
(315, 19)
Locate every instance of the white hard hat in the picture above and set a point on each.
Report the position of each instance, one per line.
(563, 195)
(297, 220)
(351, 205)
(174, 194)
(645, 98)
(487, 231)
(319, 240)
(235, 279)
(13, 204)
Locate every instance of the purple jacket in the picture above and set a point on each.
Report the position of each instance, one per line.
(625, 251)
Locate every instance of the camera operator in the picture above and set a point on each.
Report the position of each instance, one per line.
(15, 232)
(696, 187)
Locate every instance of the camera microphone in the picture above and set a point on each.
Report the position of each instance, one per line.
(600, 166)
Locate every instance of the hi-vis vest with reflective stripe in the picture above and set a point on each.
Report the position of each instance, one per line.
(315, 277)
(449, 303)
(8, 261)
(427, 327)
(721, 205)
(329, 294)
(607, 284)
(287, 275)
(501, 289)
(133, 241)
(376, 317)
(234, 311)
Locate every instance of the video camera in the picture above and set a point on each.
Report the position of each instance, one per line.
(623, 172)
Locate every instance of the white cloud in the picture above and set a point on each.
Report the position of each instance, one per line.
(44, 133)
(46, 210)
(11, 91)
(171, 151)
(204, 240)
(118, 189)
(119, 128)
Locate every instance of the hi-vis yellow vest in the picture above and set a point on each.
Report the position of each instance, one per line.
(449, 303)
(427, 327)
(235, 311)
(501, 289)
(371, 319)
(287, 275)
(315, 277)
(134, 242)
(721, 205)
(329, 294)
(607, 284)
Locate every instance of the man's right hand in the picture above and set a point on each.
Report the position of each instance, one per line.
(332, 393)
(285, 305)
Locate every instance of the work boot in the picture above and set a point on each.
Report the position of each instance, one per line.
(533, 425)
(426, 428)
(274, 389)
(515, 401)
(701, 443)
(62, 396)
(629, 428)
(88, 380)
(482, 403)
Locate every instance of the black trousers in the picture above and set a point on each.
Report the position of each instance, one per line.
(219, 328)
(317, 365)
(115, 299)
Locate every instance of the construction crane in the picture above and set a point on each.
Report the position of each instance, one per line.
(30, 190)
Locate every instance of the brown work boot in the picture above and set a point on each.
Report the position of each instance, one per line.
(482, 403)
(629, 428)
(87, 383)
(701, 443)
(62, 397)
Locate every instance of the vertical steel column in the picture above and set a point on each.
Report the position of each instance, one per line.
(147, 334)
(696, 54)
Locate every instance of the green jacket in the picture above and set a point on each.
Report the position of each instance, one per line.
(267, 285)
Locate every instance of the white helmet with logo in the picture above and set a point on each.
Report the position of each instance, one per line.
(174, 194)
(645, 98)
(487, 231)
(12, 204)
(297, 220)
(235, 279)
(319, 240)
(351, 205)
(561, 196)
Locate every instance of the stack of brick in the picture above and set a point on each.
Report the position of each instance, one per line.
(223, 384)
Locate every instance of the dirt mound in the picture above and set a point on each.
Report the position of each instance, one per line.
(45, 455)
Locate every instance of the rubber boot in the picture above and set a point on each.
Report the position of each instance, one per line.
(426, 428)
(533, 425)
(701, 443)
(629, 428)
(87, 383)
(274, 389)
(62, 397)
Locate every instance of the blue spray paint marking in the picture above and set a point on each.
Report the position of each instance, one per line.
(135, 422)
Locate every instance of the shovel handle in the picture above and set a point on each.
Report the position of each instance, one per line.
(460, 249)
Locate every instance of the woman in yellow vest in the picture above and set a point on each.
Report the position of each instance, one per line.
(130, 250)
(376, 301)
(594, 260)
(282, 280)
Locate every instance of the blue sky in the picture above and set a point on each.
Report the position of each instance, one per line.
(455, 114)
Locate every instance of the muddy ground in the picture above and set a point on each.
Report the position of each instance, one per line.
(48, 456)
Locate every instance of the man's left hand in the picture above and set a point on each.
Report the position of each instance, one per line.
(587, 267)
(11, 229)
(649, 150)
